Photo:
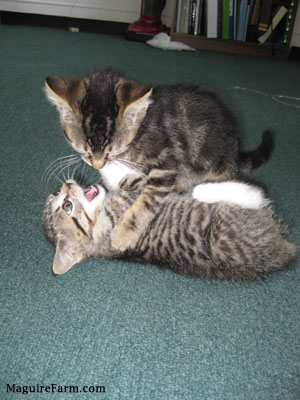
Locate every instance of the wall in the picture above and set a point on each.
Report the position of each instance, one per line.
(105, 10)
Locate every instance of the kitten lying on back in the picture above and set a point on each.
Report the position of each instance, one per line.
(222, 240)
(176, 134)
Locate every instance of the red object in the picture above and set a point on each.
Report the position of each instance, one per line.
(149, 22)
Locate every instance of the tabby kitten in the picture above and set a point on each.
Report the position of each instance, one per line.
(222, 240)
(177, 135)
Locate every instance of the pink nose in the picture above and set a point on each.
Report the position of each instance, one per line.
(98, 164)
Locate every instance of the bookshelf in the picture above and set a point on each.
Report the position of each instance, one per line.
(250, 48)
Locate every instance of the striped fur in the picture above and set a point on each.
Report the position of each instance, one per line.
(178, 135)
(210, 240)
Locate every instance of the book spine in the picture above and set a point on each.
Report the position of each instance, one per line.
(242, 19)
(225, 19)
(211, 18)
(251, 7)
(231, 19)
(196, 26)
(184, 17)
(264, 16)
(192, 17)
(179, 5)
(255, 13)
(220, 18)
(235, 18)
(246, 23)
(200, 20)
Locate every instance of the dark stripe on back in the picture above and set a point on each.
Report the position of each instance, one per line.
(165, 180)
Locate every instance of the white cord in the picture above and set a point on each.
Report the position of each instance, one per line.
(247, 90)
(279, 98)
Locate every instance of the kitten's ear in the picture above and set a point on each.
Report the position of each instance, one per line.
(68, 91)
(67, 254)
(134, 100)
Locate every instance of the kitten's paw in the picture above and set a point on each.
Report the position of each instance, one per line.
(123, 238)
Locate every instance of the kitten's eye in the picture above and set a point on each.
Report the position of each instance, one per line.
(56, 193)
(67, 207)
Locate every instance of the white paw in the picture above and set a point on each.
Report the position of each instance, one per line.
(242, 194)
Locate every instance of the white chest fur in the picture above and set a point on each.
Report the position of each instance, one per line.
(113, 172)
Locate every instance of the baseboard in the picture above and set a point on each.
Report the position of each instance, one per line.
(294, 53)
(84, 25)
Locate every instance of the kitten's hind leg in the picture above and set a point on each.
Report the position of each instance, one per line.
(135, 220)
(238, 193)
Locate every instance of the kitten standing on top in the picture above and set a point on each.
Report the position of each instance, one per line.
(175, 134)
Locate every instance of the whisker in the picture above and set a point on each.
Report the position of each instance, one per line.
(52, 173)
(131, 164)
(59, 170)
(82, 172)
(65, 162)
(37, 203)
(66, 169)
(63, 174)
(61, 159)
(57, 177)
(74, 170)
(56, 164)
(59, 163)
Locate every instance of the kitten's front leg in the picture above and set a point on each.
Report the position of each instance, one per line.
(130, 226)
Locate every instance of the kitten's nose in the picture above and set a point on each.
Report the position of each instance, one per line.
(68, 184)
(98, 164)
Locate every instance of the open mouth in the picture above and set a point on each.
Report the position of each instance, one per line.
(91, 192)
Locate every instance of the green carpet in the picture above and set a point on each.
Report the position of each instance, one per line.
(141, 332)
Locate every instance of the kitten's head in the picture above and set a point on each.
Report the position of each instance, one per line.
(100, 115)
(70, 219)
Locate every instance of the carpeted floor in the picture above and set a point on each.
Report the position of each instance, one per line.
(140, 332)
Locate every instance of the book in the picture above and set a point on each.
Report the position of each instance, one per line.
(192, 17)
(247, 22)
(198, 21)
(253, 21)
(212, 18)
(225, 19)
(251, 8)
(231, 19)
(255, 13)
(279, 14)
(220, 18)
(179, 5)
(242, 19)
(236, 5)
(184, 16)
(264, 15)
